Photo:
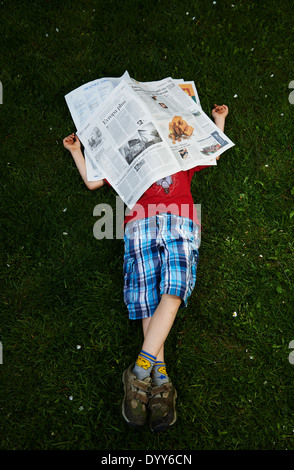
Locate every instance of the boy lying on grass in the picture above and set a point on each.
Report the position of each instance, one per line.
(160, 261)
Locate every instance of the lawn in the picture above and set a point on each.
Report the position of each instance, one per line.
(64, 329)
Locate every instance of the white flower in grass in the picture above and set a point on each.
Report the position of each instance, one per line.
(64, 233)
(236, 96)
(79, 346)
(65, 209)
(235, 314)
(70, 398)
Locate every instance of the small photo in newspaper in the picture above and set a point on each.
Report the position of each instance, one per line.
(95, 139)
(179, 129)
(144, 137)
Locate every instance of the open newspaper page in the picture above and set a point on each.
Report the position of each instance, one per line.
(82, 102)
(122, 139)
(192, 136)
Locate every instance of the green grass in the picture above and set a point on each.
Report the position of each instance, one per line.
(64, 328)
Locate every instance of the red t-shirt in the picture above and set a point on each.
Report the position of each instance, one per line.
(170, 194)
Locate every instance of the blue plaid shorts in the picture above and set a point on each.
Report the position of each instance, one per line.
(161, 256)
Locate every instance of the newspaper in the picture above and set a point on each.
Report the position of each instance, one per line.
(135, 133)
(165, 99)
(85, 99)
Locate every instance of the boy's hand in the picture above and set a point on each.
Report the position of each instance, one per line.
(220, 111)
(72, 142)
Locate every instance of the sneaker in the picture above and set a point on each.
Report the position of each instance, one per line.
(137, 392)
(162, 406)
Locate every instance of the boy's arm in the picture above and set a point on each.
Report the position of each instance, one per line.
(219, 114)
(73, 144)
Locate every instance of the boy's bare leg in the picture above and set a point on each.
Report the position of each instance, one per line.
(145, 325)
(159, 325)
(162, 404)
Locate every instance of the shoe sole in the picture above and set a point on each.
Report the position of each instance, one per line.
(164, 427)
(132, 425)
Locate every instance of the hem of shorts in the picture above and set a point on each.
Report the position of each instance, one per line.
(141, 317)
(146, 313)
(174, 291)
(150, 312)
(184, 303)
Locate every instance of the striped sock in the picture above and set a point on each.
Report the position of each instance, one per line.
(143, 365)
(159, 375)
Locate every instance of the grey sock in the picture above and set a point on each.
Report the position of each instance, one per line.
(159, 375)
(143, 365)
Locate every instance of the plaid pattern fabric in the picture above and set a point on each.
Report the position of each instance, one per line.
(161, 255)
